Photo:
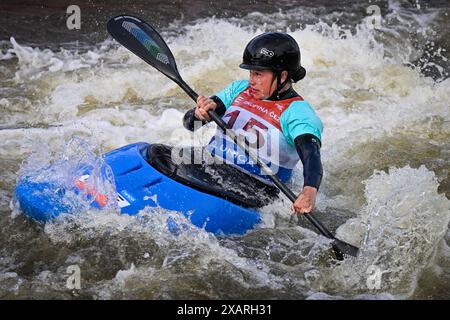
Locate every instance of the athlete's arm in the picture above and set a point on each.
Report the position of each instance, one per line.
(191, 117)
(308, 148)
(223, 100)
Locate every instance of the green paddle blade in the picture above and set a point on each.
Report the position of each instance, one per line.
(145, 42)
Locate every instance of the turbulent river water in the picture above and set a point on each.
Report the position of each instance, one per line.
(380, 84)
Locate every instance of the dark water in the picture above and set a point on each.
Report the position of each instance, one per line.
(43, 23)
(383, 97)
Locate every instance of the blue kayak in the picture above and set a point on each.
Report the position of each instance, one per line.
(145, 176)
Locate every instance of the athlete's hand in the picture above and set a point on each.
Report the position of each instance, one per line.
(305, 202)
(203, 105)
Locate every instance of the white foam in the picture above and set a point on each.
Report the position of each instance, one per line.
(398, 232)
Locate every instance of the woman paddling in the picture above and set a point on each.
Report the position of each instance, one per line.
(280, 125)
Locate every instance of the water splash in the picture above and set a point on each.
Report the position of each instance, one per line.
(82, 176)
(399, 230)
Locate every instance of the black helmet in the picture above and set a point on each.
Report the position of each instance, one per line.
(274, 51)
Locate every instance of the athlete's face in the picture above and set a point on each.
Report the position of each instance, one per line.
(262, 83)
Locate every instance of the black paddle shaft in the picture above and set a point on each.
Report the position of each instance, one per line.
(268, 172)
(143, 40)
(340, 247)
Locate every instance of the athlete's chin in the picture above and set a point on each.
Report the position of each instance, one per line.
(257, 94)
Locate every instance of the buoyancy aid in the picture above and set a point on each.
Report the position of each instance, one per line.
(259, 122)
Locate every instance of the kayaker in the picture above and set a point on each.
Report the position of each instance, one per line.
(267, 107)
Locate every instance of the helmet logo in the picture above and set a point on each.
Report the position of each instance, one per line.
(267, 52)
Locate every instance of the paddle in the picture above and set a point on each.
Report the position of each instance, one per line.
(144, 41)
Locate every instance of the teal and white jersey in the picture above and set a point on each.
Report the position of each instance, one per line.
(271, 125)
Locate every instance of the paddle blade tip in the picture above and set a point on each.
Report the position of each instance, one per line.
(343, 249)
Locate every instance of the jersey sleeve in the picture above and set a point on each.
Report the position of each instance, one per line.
(298, 119)
(228, 94)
